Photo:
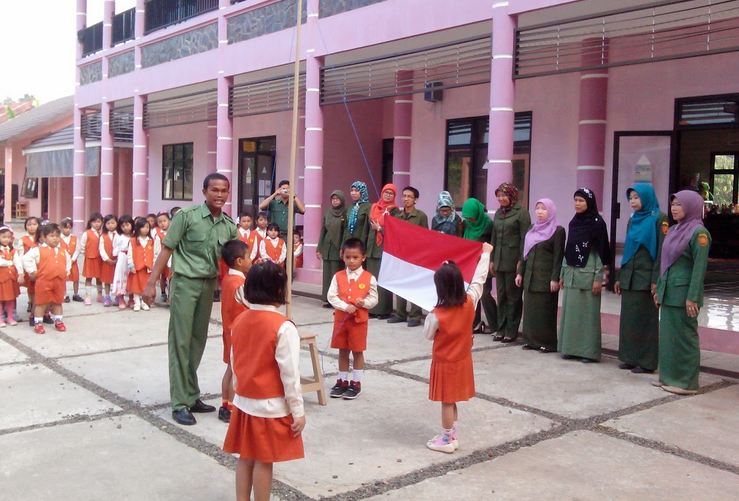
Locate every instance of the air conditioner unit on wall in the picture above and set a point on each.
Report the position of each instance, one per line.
(434, 92)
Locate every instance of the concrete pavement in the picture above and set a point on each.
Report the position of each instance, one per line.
(85, 416)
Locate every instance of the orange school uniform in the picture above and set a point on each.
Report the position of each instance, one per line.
(452, 378)
(350, 330)
(93, 264)
(51, 276)
(252, 239)
(107, 270)
(9, 289)
(166, 272)
(28, 244)
(257, 376)
(71, 248)
(143, 262)
(230, 309)
(274, 252)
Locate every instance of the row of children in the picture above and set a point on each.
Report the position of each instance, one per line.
(264, 240)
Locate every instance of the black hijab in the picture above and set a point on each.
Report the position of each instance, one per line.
(587, 231)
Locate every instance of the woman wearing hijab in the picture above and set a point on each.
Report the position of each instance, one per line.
(637, 279)
(357, 222)
(584, 272)
(510, 225)
(538, 273)
(679, 294)
(479, 227)
(446, 219)
(329, 243)
(381, 209)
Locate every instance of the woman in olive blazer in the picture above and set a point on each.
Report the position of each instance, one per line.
(538, 273)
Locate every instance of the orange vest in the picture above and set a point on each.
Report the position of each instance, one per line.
(298, 259)
(52, 264)
(230, 308)
(8, 273)
(453, 340)
(92, 247)
(352, 290)
(143, 257)
(69, 247)
(28, 243)
(254, 341)
(251, 239)
(108, 245)
(273, 252)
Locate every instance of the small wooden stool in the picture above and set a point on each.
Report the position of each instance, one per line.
(316, 382)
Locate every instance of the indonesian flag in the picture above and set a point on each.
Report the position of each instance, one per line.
(412, 255)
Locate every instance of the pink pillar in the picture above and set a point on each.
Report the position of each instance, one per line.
(107, 161)
(8, 211)
(138, 31)
(140, 159)
(502, 98)
(224, 131)
(591, 143)
(402, 121)
(78, 187)
(108, 13)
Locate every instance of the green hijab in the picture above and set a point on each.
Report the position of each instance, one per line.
(335, 218)
(475, 230)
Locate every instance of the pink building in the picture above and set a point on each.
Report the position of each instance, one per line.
(457, 95)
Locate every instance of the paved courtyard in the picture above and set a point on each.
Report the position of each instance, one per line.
(85, 416)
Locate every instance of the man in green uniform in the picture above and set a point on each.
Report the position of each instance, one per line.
(194, 239)
(410, 214)
(277, 204)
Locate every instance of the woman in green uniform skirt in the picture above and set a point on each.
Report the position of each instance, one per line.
(329, 243)
(637, 279)
(679, 294)
(479, 227)
(357, 221)
(378, 212)
(510, 225)
(538, 273)
(584, 272)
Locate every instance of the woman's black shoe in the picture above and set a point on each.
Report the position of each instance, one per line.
(527, 347)
(626, 366)
(498, 337)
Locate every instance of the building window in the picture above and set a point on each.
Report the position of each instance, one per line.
(724, 178)
(257, 160)
(177, 171)
(465, 175)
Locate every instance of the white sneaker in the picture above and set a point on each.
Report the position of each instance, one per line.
(136, 307)
(441, 443)
(144, 306)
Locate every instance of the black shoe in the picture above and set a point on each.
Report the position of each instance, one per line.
(527, 347)
(339, 388)
(28, 309)
(201, 406)
(66, 299)
(224, 414)
(31, 323)
(184, 416)
(47, 319)
(497, 337)
(589, 361)
(568, 357)
(544, 349)
(414, 322)
(395, 319)
(641, 370)
(163, 299)
(626, 366)
(383, 316)
(327, 306)
(77, 298)
(508, 339)
(355, 388)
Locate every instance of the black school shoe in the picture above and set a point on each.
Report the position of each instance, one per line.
(224, 414)
(200, 406)
(47, 319)
(339, 388)
(184, 416)
(641, 370)
(77, 298)
(355, 388)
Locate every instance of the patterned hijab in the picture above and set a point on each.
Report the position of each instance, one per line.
(511, 192)
(354, 211)
(482, 224)
(543, 231)
(445, 200)
(587, 231)
(678, 238)
(643, 227)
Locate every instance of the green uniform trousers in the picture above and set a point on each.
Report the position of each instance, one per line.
(401, 311)
(384, 296)
(191, 302)
(330, 268)
(679, 348)
(510, 304)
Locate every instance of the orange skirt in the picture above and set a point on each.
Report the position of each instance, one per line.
(30, 286)
(50, 291)
(74, 273)
(267, 440)
(452, 381)
(137, 281)
(9, 290)
(107, 272)
(91, 268)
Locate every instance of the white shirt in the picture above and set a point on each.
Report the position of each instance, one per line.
(33, 256)
(101, 247)
(287, 356)
(68, 238)
(474, 291)
(143, 241)
(274, 242)
(239, 294)
(262, 232)
(17, 260)
(120, 244)
(333, 291)
(254, 251)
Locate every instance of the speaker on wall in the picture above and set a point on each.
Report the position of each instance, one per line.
(433, 92)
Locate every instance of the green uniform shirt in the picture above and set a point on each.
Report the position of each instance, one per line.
(641, 271)
(509, 232)
(684, 279)
(278, 211)
(415, 216)
(196, 238)
(543, 264)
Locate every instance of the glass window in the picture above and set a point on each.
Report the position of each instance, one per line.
(724, 176)
(177, 171)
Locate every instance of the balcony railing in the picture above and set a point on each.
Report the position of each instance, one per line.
(163, 13)
(91, 39)
(123, 26)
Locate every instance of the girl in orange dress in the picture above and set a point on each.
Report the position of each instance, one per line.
(69, 244)
(11, 274)
(268, 416)
(107, 269)
(142, 252)
(29, 242)
(90, 252)
(449, 325)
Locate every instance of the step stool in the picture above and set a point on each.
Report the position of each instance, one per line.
(316, 382)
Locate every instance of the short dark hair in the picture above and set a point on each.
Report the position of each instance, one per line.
(246, 214)
(232, 250)
(151, 214)
(266, 283)
(174, 210)
(125, 218)
(273, 226)
(214, 176)
(354, 243)
(413, 190)
(164, 213)
(449, 283)
(263, 214)
(283, 183)
(93, 217)
(48, 229)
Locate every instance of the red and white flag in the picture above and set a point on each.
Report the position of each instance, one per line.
(412, 255)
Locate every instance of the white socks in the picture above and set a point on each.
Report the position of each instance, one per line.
(357, 375)
(343, 375)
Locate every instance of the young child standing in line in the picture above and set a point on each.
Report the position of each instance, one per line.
(48, 265)
(262, 223)
(163, 221)
(142, 252)
(153, 227)
(268, 415)
(449, 325)
(120, 250)
(249, 236)
(297, 250)
(353, 292)
(235, 254)
(90, 252)
(69, 244)
(28, 242)
(11, 276)
(107, 269)
(273, 248)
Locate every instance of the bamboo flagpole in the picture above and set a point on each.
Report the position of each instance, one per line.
(293, 160)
